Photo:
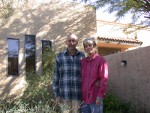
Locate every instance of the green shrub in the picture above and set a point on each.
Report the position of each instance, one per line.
(38, 96)
(113, 104)
(39, 88)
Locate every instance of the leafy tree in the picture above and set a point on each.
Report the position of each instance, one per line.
(139, 9)
(6, 9)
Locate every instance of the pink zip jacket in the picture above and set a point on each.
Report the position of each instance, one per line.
(93, 70)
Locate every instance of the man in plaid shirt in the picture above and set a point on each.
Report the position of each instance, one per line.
(67, 76)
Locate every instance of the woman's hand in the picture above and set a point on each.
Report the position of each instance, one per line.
(98, 101)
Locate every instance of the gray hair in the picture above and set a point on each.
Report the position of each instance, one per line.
(90, 40)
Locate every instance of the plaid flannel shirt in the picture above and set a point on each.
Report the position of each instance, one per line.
(67, 75)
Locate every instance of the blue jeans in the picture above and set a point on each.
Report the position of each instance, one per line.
(92, 108)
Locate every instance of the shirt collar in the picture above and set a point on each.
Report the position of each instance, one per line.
(67, 53)
(92, 58)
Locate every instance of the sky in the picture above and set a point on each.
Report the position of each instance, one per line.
(101, 14)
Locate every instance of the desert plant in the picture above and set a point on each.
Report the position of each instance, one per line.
(38, 96)
(39, 86)
(113, 104)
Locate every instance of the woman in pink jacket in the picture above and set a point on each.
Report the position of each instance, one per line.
(94, 70)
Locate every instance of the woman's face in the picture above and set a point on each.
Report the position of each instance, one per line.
(89, 47)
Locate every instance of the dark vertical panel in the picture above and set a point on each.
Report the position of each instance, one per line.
(46, 45)
(30, 49)
(46, 51)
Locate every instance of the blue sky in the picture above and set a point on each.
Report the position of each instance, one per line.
(104, 15)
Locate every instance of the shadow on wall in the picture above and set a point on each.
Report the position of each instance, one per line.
(48, 21)
(53, 21)
(14, 87)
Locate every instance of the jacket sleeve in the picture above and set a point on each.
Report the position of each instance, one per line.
(56, 78)
(103, 75)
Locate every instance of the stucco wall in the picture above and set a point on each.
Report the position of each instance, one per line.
(48, 21)
(131, 82)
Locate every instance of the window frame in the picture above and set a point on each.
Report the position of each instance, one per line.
(46, 41)
(34, 70)
(43, 51)
(17, 57)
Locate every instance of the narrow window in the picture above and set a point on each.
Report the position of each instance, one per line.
(30, 52)
(46, 46)
(46, 51)
(13, 53)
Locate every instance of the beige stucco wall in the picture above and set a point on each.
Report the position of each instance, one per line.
(132, 82)
(48, 21)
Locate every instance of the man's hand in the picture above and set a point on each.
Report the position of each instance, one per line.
(97, 83)
(58, 100)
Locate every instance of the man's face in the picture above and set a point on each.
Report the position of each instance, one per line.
(71, 42)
